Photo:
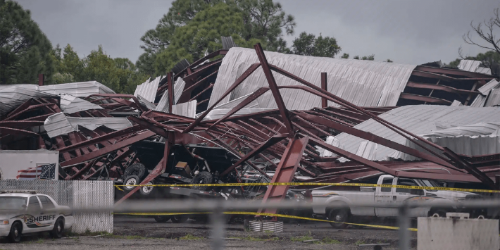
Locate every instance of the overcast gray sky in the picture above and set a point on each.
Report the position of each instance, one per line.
(412, 32)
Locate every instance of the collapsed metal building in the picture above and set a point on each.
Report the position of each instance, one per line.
(239, 112)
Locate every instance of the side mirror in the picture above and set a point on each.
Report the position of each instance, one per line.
(417, 192)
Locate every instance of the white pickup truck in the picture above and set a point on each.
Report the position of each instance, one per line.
(333, 198)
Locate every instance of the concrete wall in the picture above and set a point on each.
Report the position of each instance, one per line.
(457, 234)
(11, 161)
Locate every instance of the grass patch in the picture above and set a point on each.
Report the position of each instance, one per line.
(88, 233)
(302, 238)
(190, 237)
(359, 242)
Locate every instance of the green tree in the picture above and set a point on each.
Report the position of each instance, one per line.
(266, 21)
(345, 56)
(25, 51)
(489, 59)
(261, 20)
(368, 58)
(202, 34)
(310, 45)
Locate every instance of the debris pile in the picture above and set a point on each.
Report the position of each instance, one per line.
(241, 115)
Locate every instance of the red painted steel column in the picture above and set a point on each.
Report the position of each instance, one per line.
(285, 171)
(274, 89)
(40, 79)
(324, 87)
(170, 92)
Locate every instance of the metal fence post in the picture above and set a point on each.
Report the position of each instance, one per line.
(218, 227)
(404, 224)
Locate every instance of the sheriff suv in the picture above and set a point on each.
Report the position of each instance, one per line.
(24, 212)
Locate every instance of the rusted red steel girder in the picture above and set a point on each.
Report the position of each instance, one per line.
(108, 149)
(274, 89)
(285, 171)
(115, 97)
(170, 87)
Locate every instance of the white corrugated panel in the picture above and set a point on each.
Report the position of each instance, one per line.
(469, 65)
(485, 89)
(493, 98)
(420, 119)
(456, 103)
(71, 104)
(11, 96)
(148, 89)
(60, 124)
(178, 89)
(78, 89)
(365, 83)
(187, 109)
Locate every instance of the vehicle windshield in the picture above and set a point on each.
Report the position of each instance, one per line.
(429, 183)
(8, 203)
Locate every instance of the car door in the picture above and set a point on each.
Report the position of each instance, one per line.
(33, 213)
(404, 194)
(385, 195)
(48, 217)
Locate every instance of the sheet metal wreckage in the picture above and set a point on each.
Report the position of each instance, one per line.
(245, 115)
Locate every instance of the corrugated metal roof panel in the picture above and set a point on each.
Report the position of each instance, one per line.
(485, 89)
(11, 96)
(148, 89)
(473, 66)
(493, 98)
(71, 104)
(60, 124)
(78, 89)
(187, 109)
(420, 119)
(379, 83)
(178, 88)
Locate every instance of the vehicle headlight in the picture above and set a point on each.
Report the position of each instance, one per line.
(5, 222)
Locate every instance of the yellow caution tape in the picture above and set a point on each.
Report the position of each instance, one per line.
(315, 184)
(275, 215)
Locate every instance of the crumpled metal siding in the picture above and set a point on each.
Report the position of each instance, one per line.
(11, 96)
(364, 83)
(473, 66)
(147, 89)
(178, 88)
(78, 89)
(71, 104)
(60, 124)
(485, 89)
(187, 109)
(420, 119)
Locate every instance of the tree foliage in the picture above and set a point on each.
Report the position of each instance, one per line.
(120, 74)
(24, 48)
(203, 34)
(489, 59)
(310, 45)
(247, 21)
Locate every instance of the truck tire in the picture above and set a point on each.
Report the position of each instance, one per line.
(203, 177)
(161, 218)
(130, 182)
(137, 169)
(16, 232)
(339, 215)
(181, 218)
(58, 228)
(147, 190)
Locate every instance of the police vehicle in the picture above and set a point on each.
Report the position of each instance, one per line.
(24, 212)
